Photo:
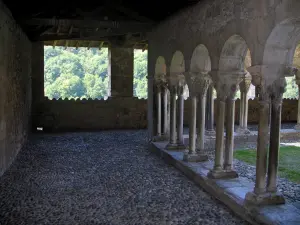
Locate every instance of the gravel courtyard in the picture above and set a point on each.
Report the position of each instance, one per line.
(108, 177)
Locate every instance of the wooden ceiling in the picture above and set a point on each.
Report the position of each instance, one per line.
(89, 23)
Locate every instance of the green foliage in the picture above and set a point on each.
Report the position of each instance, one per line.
(140, 83)
(289, 157)
(82, 73)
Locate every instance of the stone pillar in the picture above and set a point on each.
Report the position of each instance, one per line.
(228, 159)
(180, 108)
(37, 71)
(166, 124)
(274, 144)
(209, 124)
(218, 165)
(265, 193)
(227, 85)
(158, 96)
(121, 64)
(244, 88)
(198, 84)
(173, 141)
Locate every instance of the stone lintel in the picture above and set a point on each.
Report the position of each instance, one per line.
(268, 198)
(194, 157)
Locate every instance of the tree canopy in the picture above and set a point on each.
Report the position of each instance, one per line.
(82, 73)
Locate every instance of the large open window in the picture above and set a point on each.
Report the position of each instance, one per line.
(76, 73)
(140, 83)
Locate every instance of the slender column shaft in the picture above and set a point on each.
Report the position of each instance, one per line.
(230, 108)
(219, 135)
(298, 113)
(192, 125)
(242, 110)
(165, 127)
(210, 109)
(158, 112)
(180, 119)
(274, 145)
(262, 147)
(245, 111)
(201, 123)
(173, 118)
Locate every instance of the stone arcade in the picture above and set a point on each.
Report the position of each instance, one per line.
(203, 47)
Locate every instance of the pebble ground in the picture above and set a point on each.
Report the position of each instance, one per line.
(101, 178)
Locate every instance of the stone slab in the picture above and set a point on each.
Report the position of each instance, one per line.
(230, 191)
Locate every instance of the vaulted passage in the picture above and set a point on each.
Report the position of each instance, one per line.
(101, 178)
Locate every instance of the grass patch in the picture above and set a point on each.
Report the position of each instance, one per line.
(289, 158)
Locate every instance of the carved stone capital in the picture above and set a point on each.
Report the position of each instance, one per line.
(245, 83)
(198, 83)
(227, 83)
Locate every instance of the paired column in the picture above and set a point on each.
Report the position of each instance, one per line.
(244, 88)
(198, 85)
(265, 190)
(176, 84)
(226, 90)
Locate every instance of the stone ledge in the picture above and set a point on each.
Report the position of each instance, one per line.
(231, 192)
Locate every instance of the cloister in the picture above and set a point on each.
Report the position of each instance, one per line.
(208, 47)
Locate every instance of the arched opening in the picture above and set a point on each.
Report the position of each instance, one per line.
(177, 63)
(200, 61)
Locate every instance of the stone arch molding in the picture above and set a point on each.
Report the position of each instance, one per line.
(198, 79)
(233, 54)
(280, 48)
(160, 70)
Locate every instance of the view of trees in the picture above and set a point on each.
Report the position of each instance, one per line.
(82, 73)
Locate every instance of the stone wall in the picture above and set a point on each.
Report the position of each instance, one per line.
(122, 113)
(15, 90)
(113, 113)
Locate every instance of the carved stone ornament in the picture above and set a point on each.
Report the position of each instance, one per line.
(227, 83)
(245, 83)
(198, 83)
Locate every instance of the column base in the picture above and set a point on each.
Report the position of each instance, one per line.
(194, 157)
(160, 138)
(176, 146)
(267, 198)
(243, 131)
(222, 174)
(297, 127)
(210, 132)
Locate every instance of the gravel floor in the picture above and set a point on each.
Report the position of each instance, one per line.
(101, 178)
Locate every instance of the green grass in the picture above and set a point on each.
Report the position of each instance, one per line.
(289, 158)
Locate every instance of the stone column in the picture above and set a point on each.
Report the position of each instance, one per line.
(191, 155)
(244, 88)
(209, 124)
(166, 124)
(274, 143)
(37, 71)
(218, 165)
(180, 108)
(173, 141)
(265, 194)
(228, 159)
(158, 96)
(121, 64)
(198, 84)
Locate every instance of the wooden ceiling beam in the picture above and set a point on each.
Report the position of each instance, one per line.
(88, 23)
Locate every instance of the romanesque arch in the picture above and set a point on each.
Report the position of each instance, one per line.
(177, 63)
(200, 61)
(233, 54)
